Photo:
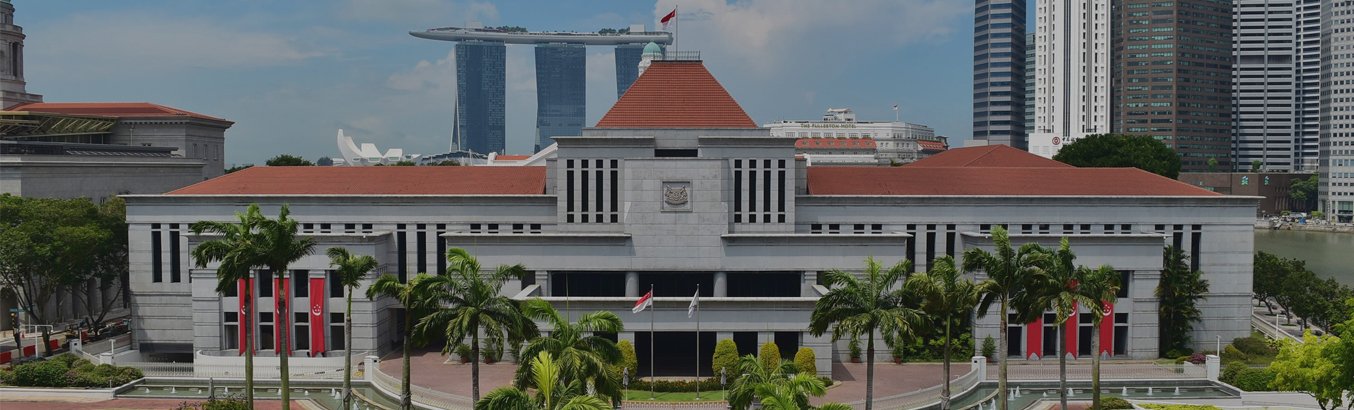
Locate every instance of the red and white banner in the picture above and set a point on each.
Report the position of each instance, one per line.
(1034, 339)
(643, 303)
(1070, 332)
(241, 293)
(317, 326)
(1107, 330)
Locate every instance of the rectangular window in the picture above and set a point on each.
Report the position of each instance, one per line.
(265, 284)
(930, 244)
(156, 261)
(300, 283)
(1124, 280)
(336, 334)
(174, 254)
(766, 191)
(422, 247)
(441, 249)
(401, 254)
(301, 336)
(1015, 335)
(231, 330)
(1195, 242)
(949, 240)
(912, 242)
(335, 285)
(615, 192)
(600, 191)
(265, 331)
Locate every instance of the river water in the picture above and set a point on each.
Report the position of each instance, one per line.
(1330, 255)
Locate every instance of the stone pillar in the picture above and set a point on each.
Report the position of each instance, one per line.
(543, 279)
(723, 335)
(806, 286)
(721, 284)
(1213, 364)
(979, 363)
(630, 336)
(369, 368)
(632, 284)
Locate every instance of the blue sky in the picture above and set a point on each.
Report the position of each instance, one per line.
(290, 73)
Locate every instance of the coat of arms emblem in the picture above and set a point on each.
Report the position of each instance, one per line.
(675, 195)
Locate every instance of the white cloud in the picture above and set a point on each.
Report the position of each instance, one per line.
(89, 45)
(439, 76)
(436, 12)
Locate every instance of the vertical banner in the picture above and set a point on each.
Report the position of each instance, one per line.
(1070, 329)
(1034, 339)
(244, 316)
(1107, 330)
(317, 326)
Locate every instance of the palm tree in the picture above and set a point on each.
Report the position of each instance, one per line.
(280, 247)
(1006, 274)
(948, 295)
(469, 302)
(351, 270)
(1101, 285)
(862, 307)
(1058, 287)
(779, 385)
(554, 390)
(1178, 292)
(415, 306)
(581, 354)
(237, 251)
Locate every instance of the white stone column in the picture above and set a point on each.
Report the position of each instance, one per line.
(721, 284)
(806, 285)
(632, 284)
(543, 279)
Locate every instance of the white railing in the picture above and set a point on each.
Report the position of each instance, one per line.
(924, 397)
(154, 369)
(1270, 330)
(420, 395)
(1109, 370)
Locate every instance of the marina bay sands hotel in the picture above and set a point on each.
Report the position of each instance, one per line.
(561, 67)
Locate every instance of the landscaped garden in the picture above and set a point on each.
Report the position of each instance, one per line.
(67, 370)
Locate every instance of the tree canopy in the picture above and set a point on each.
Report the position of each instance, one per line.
(288, 160)
(1116, 150)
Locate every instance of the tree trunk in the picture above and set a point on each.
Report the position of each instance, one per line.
(406, 396)
(945, 392)
(1002, 403)
(1062, 364)
(47, 341)
(475, 366)
(869, 371)
(247, 326)
(1095, 364)
(348, 351)
(284, 322)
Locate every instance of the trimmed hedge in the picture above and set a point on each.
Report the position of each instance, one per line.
(1254, 379)
(1232, 354)
(66, 370)
(1254, 346)
(725, 356)
(687, 386)
(769, 356)
(628, 359)
(1114, 403)
(805, 361)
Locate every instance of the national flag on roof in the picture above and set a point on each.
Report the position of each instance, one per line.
(671, 15)
(643, 303)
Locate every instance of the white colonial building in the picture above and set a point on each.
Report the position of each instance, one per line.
(895, 142)
(676, 189)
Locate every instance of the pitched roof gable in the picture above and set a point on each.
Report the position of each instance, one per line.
(676, 94)
(372, 180)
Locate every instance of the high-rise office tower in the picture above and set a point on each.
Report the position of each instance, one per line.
(1335, 166)
(1307, 84)
(999, 72)
(1263, 106)
(1072, 74)
(1173, 69)
(627, 66)
(480, 79)
(1029, 83)
(561, 92)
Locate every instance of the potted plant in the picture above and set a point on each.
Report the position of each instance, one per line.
(897, 353)
(989, 348)
(463, 352)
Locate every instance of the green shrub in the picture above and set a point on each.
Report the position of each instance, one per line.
(1254, 379)
(989, 348)
(854, 347)
(629, 361)
(769, 356)
(725, 356)
(1232, 354)
(1177, 353)
(805, 362)
(463, 351)
(229, 403)
(46, 373)
(1114, 403)
(677, 386)
(1230, 371)
(1154, 406)
(1254, 346)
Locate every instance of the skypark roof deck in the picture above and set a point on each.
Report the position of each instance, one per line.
(517, 37)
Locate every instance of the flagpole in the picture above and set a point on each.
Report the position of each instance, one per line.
(696, 300)
(652, 308)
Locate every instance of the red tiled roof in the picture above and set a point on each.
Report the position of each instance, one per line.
(929, 145)
(987, 156)
(374, 181)
(1000, 181)
(835, 143)
(113, 109)
(676, 94)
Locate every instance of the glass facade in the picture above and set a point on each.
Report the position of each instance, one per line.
(561, 93)
(999, 72)
(480, 78)
(627, 66)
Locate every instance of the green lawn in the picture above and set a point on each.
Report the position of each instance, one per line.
(643, 395)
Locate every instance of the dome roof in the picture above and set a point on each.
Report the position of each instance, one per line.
(652, 49)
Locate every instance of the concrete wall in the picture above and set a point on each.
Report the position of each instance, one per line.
(63, 176)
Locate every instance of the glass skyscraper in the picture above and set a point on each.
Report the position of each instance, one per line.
(999, 72)
(627, 66)
(561, 94)
(480, 79)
